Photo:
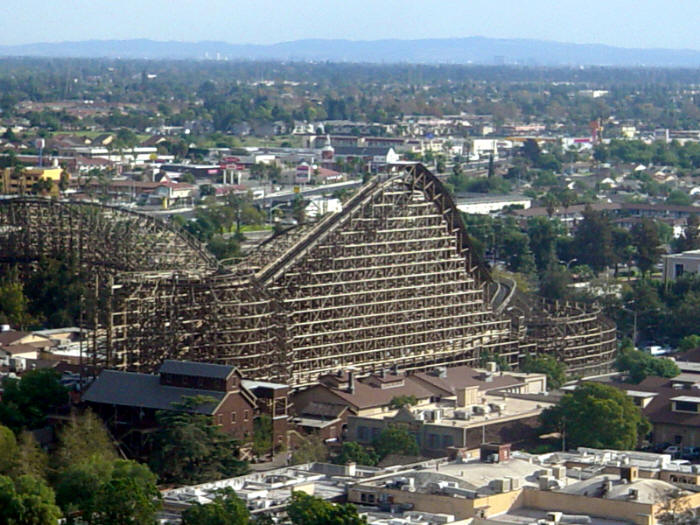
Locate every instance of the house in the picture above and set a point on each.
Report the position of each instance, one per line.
(672, 407)
(18, 348)
(128, 402)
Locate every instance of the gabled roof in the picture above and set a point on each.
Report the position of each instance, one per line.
(191, 368)
(659, 410)
(144, 391)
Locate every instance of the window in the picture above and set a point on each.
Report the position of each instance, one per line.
(233, 416)
(219, 419)
(679, 270)
(245, 415)
(362, 433)
(686, 406)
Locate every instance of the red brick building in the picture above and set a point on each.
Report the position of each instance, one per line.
(128, 402)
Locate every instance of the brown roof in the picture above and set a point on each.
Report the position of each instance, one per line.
(658, 411)
(323, 410)
(367, 396)
(11, 336)
(464, 376)
(691, 356)
(18, 349)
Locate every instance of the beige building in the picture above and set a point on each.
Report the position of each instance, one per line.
(625, 487)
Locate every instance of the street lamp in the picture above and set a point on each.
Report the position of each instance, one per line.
(567, 264)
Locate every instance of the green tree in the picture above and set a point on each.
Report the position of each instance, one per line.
(545, 364)
(8, 451)
(639, 365)
(396, 440)
(554, 282)
(189, 448)
(83, 438)
(594, 240)
(645, 238)
(311, 510)
(689, 342)
(26, 401)
(531, 151)
(14, 304)
(27, 501)
(311, 449)
(598, 416)
(262, 435)
(31, 459)
(225, 509)
(353, 451)
(127, 498)
(543, 234)
(690, 239)
(402, 401)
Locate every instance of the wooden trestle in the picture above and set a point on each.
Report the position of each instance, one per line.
(391, 280)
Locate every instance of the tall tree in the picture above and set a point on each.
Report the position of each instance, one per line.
(645, 238)
(690, 239)
(189, 448)
(593, 240)
(543, 236)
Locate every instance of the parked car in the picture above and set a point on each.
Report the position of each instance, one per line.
(673, 450)
(690, 453)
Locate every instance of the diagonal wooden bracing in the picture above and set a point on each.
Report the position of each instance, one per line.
(392, 280)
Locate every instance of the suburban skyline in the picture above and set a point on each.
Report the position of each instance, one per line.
(626, 23)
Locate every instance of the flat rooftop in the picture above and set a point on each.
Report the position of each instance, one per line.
(497, 408)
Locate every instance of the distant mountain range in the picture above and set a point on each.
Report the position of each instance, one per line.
(472, 50)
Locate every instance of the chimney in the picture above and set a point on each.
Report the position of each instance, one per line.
(351, 382)
(629, 473)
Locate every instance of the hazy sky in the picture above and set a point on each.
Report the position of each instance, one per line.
(626, 23)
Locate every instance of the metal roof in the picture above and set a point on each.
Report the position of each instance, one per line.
(191, 368)
(144, 391)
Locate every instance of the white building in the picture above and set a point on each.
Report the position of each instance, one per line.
(676, 264)
(485, 204)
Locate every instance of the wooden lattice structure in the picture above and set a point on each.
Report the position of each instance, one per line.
(391, 280)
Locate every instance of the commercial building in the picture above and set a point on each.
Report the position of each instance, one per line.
(445, 407)
(588, 484)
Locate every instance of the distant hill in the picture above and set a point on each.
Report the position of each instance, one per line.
(475, 50)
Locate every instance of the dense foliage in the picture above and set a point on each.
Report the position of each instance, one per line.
(598, 416)
(26, 401)
(639, 365)
(188, 448)
(311, 510)
(544, 364)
